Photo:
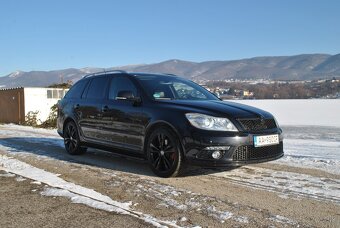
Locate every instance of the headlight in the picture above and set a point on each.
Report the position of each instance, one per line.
(211, 123)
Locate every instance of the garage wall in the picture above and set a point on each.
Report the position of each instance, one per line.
(12, 108)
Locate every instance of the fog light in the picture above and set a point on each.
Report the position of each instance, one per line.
(217, 148)
(216, 154)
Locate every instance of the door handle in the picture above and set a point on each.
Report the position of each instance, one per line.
(105, 108)
(76, 106)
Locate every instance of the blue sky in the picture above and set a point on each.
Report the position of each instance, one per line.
(49, 35)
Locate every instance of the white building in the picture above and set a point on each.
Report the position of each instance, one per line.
(16, 103)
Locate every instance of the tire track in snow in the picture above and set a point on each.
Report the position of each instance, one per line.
(284, 183)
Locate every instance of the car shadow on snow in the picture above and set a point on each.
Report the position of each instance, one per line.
(54, 148)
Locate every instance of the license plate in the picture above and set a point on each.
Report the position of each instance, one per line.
(266, 140)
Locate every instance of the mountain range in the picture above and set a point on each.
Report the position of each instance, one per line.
(298, 67)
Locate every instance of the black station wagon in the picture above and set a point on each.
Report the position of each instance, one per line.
(168, 120)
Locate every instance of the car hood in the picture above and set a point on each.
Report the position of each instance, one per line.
(220, 108)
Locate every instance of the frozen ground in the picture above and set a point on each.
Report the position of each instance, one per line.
(312, 147)
(302, 188)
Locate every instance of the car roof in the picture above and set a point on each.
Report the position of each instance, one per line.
(127, 73)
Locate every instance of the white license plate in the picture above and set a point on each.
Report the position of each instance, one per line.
(265, 140)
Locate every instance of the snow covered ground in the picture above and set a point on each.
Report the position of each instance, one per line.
(312, 147)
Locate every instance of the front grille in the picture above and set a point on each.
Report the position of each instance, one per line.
(257, 124)
(244, 153)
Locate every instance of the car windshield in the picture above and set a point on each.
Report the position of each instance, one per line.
(170, 88)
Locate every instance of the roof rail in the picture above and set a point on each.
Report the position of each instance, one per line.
(119, 71)
(171, 74)
(105, 72)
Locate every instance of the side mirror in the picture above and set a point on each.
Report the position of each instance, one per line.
(125, 95)
(128, 95)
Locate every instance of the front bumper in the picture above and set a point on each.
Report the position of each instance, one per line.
(241, 148)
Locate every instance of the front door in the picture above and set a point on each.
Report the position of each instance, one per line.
(123, 120)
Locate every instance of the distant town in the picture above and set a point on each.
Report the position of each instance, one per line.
(270, 89)
(264, 88)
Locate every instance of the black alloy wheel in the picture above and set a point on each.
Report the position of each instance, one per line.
(164, 153)
(71, 139)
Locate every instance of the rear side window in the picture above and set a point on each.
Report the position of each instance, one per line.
(77, 89)
(97, 88)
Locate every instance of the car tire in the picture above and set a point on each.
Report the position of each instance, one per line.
(71, 139)
(164, 153)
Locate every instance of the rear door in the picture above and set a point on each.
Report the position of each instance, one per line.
(69, 105)
(91, 122)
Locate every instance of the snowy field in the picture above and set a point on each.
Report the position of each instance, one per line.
(312, 147)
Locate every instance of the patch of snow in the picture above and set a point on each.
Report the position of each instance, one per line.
(193, 203)
(20, 179)
(75, 198)
(15, 74)
(77, 193)
(168, 202)
(241, 219)
(282, 219)
(220, 215)
(183, 219)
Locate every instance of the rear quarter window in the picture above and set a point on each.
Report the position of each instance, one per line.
(77, 89)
